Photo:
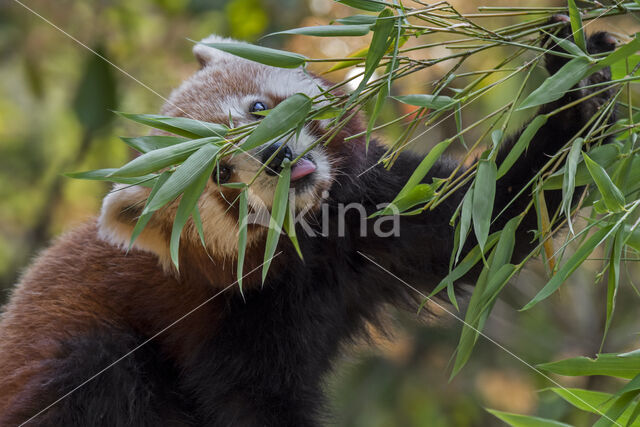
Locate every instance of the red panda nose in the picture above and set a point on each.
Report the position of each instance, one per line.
(275, 166)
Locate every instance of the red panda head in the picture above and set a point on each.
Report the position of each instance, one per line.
(228, 90)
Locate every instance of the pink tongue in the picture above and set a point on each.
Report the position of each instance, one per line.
(302, 168)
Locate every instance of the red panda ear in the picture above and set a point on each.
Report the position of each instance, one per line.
(121, 209)
(208, 55)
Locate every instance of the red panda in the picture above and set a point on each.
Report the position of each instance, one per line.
(96, 335)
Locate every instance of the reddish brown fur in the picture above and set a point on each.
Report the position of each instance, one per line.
(82, 282)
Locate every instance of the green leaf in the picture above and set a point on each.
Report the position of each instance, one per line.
(243, 219)
(568, 46)
(516, 420)
(465, 265)
(263, 55)
(491, 280)
(607, 364)
(181, 126)
(619, 68)
(604, 155)
(569, 267)
(555, 86)
(326, 113)
(290, 228)
(163, 157)
(576, 25)
(523, 142)
(617, 408)
(484, 191)
(184, 175)
(612, 196)
(143, 220)
(189, 201)
(569, 178)
(144, 144)
(371, 6)
(621, 53)
(107, 175)
(381, 98)
(613, 279)
(197, 220)
(465, 220)
(585, 400)
(278, 212)
(419, 194)
(285, 116)
(329, 30)
(434, 102)
(358, 20)
(382, 30)
(424, 167)
(506, 244)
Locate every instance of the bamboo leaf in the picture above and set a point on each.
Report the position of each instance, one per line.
(278, 212)
(188, 203)
(144, 144)
(612, 196)
(621, 53)
(555, 86)
(613, 279)
(465, 265)
(419, 194)
(381, 98)
(576, 25)
(243, 218)
(107, 175)
(569, 267)
(523, 142)
(424, 167)
(621, 68)
(516, 420)
(290, 228)
(382, 31)
(484, 191)
(435, 102)
(616, 409)
(329, 30)
(263, 55)
(285, 116)
(183, 176)
(143, 220)
(605, 156)
(197, 220)
(370, 5)
(568, 46)
(163, 157)
(358, 20)
(607, 364)
(465, 220)
(585, 400)
(569, 178)
(181, 126)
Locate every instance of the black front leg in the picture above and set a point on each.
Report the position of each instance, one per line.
(270, 350)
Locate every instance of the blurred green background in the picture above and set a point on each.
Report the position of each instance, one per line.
(55, 102)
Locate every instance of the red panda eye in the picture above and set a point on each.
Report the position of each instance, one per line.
(222, 174)
(258, 106)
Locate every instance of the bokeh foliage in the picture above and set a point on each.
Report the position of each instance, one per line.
(54, 118)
